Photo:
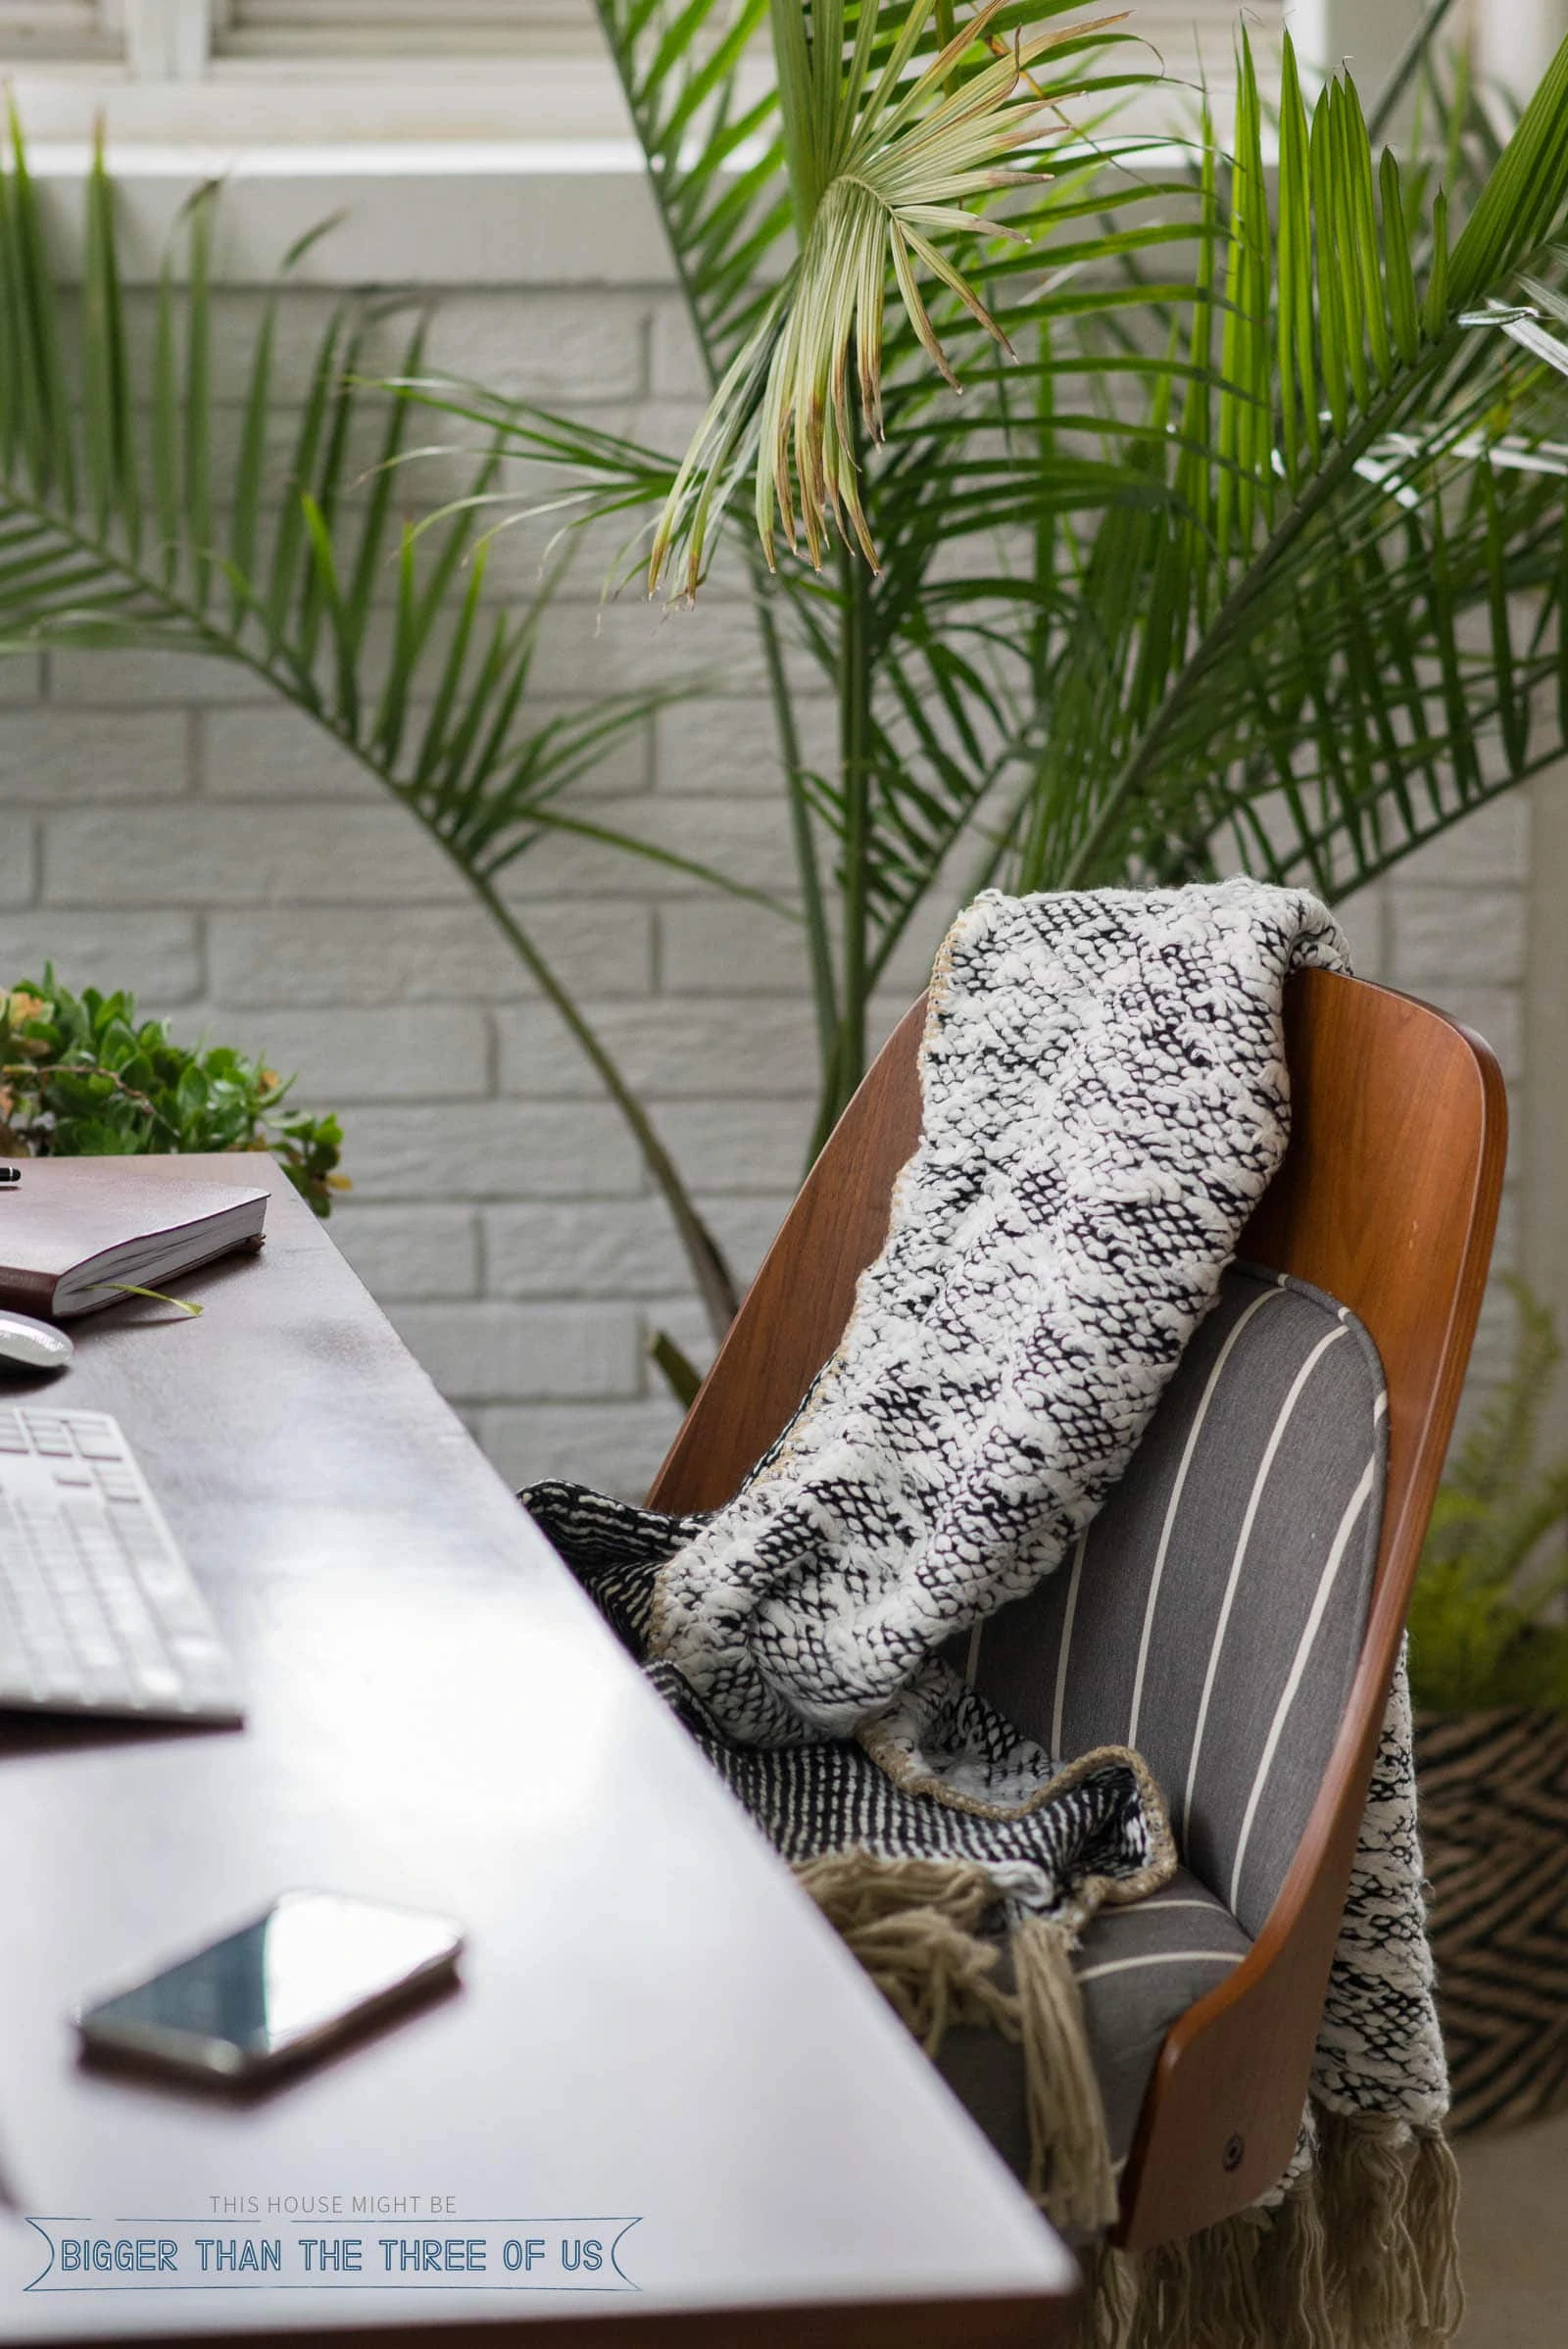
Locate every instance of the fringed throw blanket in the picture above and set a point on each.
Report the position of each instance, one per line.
(1104, 1099)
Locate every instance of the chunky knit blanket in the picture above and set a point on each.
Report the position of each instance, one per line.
(1104, 1099)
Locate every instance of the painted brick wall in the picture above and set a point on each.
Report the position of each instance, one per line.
(163, 824)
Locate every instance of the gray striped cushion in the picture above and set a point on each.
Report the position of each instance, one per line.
(1214, 1616)
(1213, 1620)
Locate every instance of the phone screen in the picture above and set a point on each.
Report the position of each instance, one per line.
(278, 1988)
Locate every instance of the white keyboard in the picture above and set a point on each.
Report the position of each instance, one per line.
(99, 1613)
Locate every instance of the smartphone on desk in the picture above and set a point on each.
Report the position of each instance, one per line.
(308, 1971)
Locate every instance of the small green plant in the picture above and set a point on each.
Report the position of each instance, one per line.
(79, 1077)
(1486, 1625)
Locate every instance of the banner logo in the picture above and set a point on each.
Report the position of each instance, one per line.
(509, 2255)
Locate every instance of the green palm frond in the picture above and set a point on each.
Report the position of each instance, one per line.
(1252, 555)
(119, 525)
(730, 221)
(708, 124)
(1297, 607)
(1343, 460)
(1281, 653)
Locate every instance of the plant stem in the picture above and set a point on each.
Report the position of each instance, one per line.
(818, 945)
(855, 710)
(818, 949)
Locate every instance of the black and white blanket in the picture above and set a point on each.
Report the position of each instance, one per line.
(1104, 1099)
(1056, 1839)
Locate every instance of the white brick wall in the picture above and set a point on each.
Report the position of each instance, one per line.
(164, 825)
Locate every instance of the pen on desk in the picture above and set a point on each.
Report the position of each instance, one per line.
(9, 1173)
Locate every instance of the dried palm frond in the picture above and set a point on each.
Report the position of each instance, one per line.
(879, 169)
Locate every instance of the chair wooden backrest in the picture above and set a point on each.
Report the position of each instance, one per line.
(1387, 1200)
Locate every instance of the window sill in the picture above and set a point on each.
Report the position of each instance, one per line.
(410, 212)
(315, 99)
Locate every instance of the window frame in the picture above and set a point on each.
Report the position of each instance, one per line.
(170, 70)
(195, 39)
(542, 28)
(160, 74)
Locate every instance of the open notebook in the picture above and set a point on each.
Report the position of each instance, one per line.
(72, 1228)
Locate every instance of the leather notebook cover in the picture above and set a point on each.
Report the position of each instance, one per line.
(72, 1226)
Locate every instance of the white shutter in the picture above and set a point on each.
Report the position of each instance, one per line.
(1182, 31)
(392, 29)
(49, 30)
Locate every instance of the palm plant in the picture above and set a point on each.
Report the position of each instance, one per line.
(1244, 544)
(1251, 553)
(112, 533)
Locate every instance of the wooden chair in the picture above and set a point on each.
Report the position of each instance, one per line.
(1387, 1200)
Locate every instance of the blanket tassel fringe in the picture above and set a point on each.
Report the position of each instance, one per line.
(916, 1927)
(1358, 2252)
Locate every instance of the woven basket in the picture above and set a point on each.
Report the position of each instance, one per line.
(1494, 1796)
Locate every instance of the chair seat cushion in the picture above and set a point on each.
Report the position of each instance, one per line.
(1140, 1968)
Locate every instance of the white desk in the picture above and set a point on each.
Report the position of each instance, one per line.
(653, 2021)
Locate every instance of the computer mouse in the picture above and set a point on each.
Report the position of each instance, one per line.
(28, 1344)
